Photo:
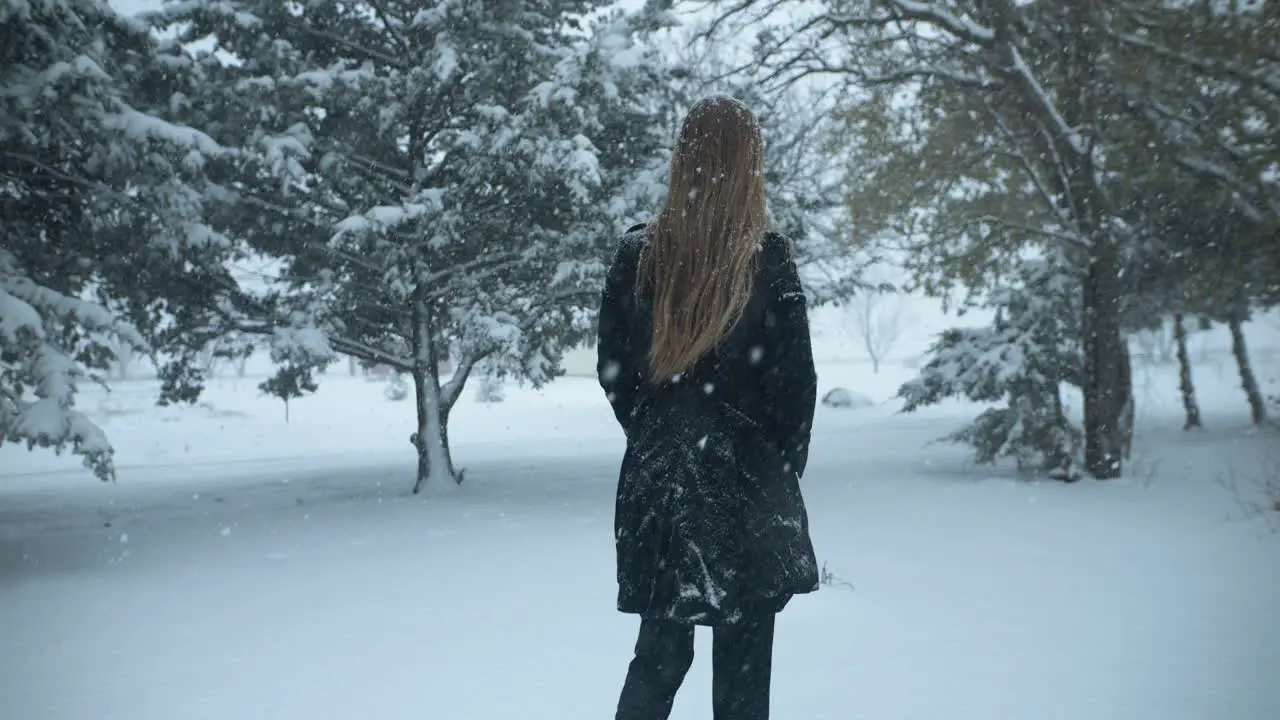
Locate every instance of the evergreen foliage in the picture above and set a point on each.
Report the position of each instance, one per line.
(1020, 362)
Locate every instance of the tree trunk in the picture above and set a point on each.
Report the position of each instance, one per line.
(1107, 381)
(431, 440)
(1248, 382)
(1125, 420)
(1055, 127)
(1185, 385)
(1062, 453)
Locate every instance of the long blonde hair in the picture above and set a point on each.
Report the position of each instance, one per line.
(699, 260)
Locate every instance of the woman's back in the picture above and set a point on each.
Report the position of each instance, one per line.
(762, 367)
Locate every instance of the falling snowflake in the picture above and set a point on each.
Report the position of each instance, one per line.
(610, 371)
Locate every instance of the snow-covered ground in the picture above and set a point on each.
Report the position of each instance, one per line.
(247, 568)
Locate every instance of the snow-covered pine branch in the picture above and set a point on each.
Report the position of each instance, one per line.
(1020, 361)
(104, 183)
(41, 375)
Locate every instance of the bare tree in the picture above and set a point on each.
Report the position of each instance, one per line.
(1248, 380)
(1185, 385)
(876, 319)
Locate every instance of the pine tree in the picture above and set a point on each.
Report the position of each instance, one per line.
(102, 196)
(291, 382)
(1185, 384)
(443, 180)
(1020, 361)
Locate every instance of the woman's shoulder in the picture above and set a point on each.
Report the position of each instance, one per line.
(774, 249)
(775, 242)
(626, 253)
(634, 238)
(775, 252)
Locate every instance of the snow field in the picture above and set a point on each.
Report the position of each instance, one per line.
(237, 571)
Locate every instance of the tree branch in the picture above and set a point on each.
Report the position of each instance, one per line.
(384, 16)
(925, 72)
(1070, 239)
(493, 262)
(358, 49)
(340, 343)
(1041, 99)
(960, 26)
(297, 214)
(1019, 155)
(368, 353)
(453, 389)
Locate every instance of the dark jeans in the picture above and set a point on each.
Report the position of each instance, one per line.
(741, 665)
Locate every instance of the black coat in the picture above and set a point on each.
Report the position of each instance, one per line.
(710, 522)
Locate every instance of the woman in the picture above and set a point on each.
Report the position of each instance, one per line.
(704, 354)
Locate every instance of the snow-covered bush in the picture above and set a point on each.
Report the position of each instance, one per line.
(845, 398)
(1020, 361)
(396, 389)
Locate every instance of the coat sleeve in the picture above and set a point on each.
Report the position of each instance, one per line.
(616, 362)
(790, 381)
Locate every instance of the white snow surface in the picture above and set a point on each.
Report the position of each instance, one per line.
(247, 568)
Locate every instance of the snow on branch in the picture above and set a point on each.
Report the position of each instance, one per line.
(138, 126)
(340, 75)
(38, 387)
(385, 218)
(1050, 108)
(302, 344)
(366, 352)
(961, 26)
